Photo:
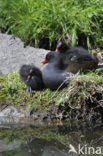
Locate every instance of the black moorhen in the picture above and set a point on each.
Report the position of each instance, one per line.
(54, 73)
(32, 77)
(76, 58)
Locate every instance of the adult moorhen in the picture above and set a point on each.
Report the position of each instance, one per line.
(54, 73)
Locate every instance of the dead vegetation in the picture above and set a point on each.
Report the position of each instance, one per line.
(83, 99)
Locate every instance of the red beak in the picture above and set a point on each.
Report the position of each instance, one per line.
(45, 61)
(28, 77)
(57, 50)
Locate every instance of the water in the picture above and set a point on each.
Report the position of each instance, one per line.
(48, 140)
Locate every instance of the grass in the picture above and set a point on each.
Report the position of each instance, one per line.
(79, 22)
(13, 92)
(82, 97)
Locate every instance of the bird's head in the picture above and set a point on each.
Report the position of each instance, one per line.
(62, 47)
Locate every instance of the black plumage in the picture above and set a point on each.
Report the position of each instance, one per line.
(76, 58)
(54, 73)
(32, 77)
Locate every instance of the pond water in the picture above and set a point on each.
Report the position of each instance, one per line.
(50, 141)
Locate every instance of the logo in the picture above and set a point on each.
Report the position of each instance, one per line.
(72, 149)
(85, 150)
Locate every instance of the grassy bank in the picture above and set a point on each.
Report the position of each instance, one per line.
(46, 21)
(81, 100)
